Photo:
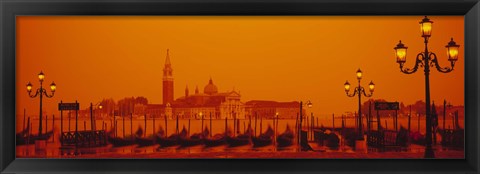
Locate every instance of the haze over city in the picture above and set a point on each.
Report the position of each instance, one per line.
(267, 58)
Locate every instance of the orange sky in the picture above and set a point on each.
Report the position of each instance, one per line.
(270, 58)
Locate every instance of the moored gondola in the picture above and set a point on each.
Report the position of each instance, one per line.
(286, 138)
(216, 140)
(169, 141)
(22, 139)
(144, 141)
(263, 139)
(195, 139)
(240, 140)
(172, 140)
(120, 142)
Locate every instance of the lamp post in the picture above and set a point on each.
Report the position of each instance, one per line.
(92, 117)
(41, 92)
(309, 105)
(359, 90)
(426, 60)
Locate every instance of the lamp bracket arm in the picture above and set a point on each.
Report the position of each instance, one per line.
(46, 94)
(35, 95)
(418, 62)
(353, 94)
(367, 95)
(434, 62)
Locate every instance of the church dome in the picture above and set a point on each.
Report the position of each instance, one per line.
(210, 88)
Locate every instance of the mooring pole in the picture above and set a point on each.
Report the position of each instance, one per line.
(226, 124)
(201, 128)
(244, 127)
(76, 125)
(116, 130)
(396, 120)
(369, 125)
(276, 130)
(53, 128)
(153, 118)
(145, 134)
(261, 125)
(29, 130)
(255, 124)
(69, 118)
(234, 125)
(188, 130)
(211, 124)
(46, 125)
(61, 121)
(131, 125)
(176, 129)
(418, 123)
(91, 117)
(378, 121)
(166, 125)
(333, 121)
(296, 130)
(444, 113)
(24, 113)
(409, 118)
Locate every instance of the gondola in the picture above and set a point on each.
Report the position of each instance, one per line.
(195, 139)
(22, 139)
(120, 142)
(149, 141)
(286, 138)
(216, 140)
(141, 141)
(320, 136)
(240, 140)
(172, 140)
(263, 139)
(169, 141)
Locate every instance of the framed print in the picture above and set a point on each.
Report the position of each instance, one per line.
(311, 86)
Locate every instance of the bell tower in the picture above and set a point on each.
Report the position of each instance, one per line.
(167, 81)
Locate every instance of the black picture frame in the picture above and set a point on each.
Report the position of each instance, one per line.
(9, 9)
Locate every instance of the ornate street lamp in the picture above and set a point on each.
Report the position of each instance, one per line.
(359, 90)
(426, 60)
(309, 105)
(41, 92)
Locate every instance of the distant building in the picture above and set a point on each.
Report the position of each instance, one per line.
(209, 103)
(268, 109)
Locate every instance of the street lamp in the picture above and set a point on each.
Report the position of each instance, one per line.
(359, 90)
(41, 92)
(92, 118)
(426, 60)
(309, 105)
